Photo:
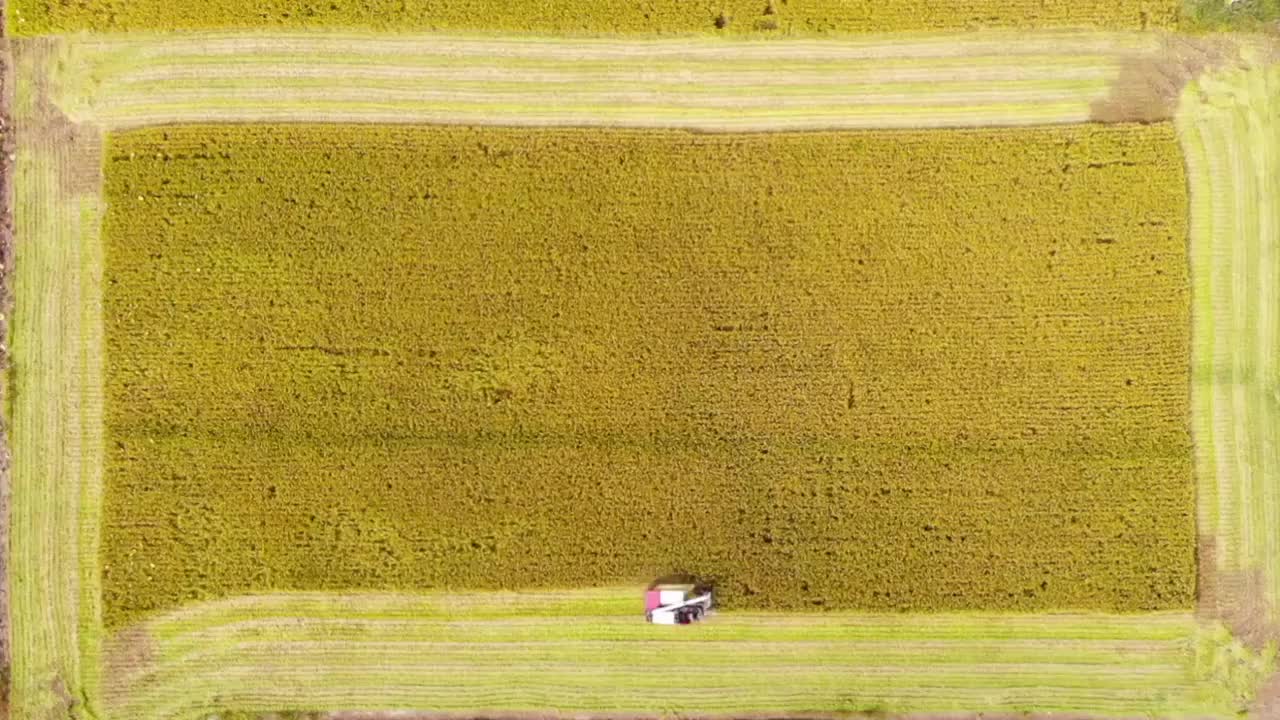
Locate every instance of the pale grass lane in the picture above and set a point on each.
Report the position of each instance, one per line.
(55, 406)
(593, 652)
(913, 81)
(1230, 126)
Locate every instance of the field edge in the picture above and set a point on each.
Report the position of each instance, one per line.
(1229, 126)
(54, 403)
(924, 80)
(1164, 664)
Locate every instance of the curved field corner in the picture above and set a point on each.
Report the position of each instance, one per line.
(586, 650)
(591, 17)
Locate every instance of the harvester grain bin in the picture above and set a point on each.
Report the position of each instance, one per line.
(676, 604)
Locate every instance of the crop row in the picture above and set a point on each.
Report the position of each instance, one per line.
(754, 17)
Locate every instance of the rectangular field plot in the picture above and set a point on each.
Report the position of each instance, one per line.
(932, 370)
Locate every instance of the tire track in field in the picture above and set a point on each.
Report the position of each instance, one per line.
(699, 84)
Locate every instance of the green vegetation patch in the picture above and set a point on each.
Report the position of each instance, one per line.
(516, 652)
(886, 370)
(1224, 15)
(759, 17)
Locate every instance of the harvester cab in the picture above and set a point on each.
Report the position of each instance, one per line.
(676, 604)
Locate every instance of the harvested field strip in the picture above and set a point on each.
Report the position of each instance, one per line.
(1230, 125)
(55, 408)
(722, 17)
(934, 45)
(921, 81)
(515, 652)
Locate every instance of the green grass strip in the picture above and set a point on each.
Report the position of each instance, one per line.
(590, 651)
(54, 407)
(1230, 126)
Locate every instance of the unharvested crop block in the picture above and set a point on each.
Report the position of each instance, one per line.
(908, 370)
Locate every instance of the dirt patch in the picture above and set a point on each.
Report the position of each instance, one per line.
(1237, 599)
(1244, 608)
(127, 652)
(1267, 704)
(45, 125)
(1207, 592)
(67, 701)
(1149, 86)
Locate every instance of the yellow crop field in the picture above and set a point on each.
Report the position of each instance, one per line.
(734, 17)
(955, 378)
(369, 358)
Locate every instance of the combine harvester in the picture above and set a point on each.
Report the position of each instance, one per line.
(676, 604)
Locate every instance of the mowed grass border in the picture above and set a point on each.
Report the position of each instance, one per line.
(394, 652)
(344, 651)
(1230, 130)
(55, 403)
(876, 82)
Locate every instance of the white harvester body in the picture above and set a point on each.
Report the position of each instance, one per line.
(676, 604)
